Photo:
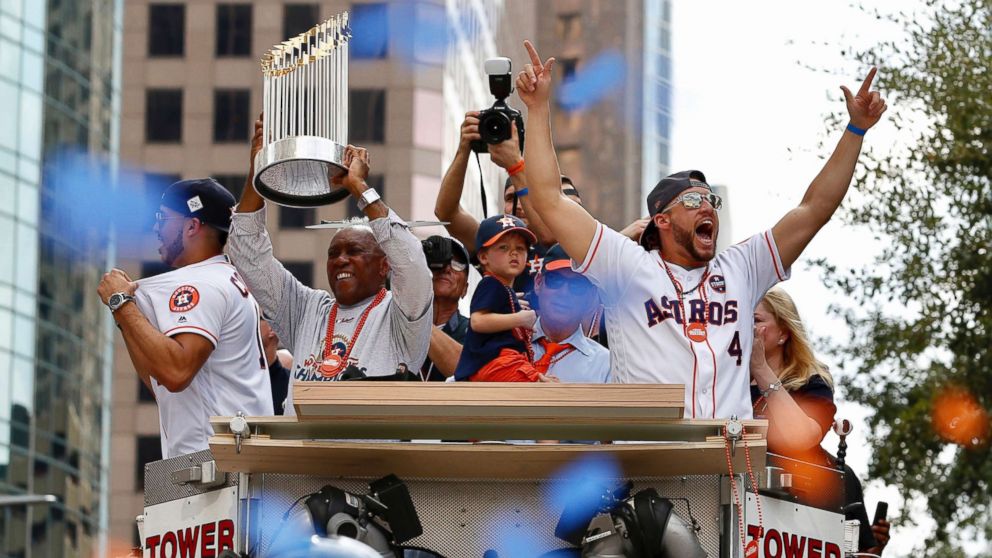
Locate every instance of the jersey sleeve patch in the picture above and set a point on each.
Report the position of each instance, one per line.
(184, 299)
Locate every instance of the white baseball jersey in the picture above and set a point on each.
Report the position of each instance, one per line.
(650, 342)
(209, 299)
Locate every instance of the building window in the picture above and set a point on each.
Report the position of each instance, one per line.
(664, 91)
(144, 394)
(569, 26)
(233, 29)
(367, 115)
(370, 31)
(568, 67)
(166, 29)
(303, 271)
(297, 18)
(375, 182)
(231, 108)
(296, 217)
(663, 124)
(148, 449)
(163, 115)
(235, 183)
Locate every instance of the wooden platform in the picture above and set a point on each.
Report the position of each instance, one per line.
(432, 427)
(389, 401)
(352, 429)
(471, 461)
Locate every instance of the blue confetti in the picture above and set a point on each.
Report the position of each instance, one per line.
(599, 77)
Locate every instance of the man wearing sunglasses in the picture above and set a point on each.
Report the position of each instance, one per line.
(193, 333)
(449, 268)
(561, 348)
(678, 312)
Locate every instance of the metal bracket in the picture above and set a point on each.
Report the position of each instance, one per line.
(205, 474)
(241, 430)
(735, 433)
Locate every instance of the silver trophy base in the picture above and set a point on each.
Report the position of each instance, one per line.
(296, 171)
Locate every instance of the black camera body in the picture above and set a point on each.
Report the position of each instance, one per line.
(438, 250)
(495, 122)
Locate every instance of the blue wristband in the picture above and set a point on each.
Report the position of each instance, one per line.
(855, 130)
(521, 192)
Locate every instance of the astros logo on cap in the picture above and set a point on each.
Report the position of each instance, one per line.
(184, 299)
(506, 221)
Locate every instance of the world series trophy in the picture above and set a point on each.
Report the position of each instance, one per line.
(305, 128)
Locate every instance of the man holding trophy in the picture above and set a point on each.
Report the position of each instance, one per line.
(359, 328)
(359, 323)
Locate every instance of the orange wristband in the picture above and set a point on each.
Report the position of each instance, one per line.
(516, 169)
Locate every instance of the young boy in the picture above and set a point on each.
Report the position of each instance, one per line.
(497, 346)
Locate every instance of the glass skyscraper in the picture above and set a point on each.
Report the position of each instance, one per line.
(58, 93)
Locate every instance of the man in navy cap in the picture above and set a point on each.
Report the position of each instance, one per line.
(561, 349)
(192, 333)
(676, 311)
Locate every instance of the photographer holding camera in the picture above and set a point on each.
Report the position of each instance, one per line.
(499, 131)
(449, 262)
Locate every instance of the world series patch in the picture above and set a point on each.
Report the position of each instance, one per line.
(184, 299)
(718, 284)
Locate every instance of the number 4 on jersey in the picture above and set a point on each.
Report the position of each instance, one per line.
(735, 347)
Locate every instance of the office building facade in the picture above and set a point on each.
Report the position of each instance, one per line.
(59, 90)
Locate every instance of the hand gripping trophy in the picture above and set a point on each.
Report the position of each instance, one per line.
(305, 131)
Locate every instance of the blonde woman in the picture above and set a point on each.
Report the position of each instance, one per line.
(795, 392)
(790, 387)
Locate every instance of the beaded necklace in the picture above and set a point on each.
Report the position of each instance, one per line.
(333, 363)
(696, 331)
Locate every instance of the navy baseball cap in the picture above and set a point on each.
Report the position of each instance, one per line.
(555, 258)
(664, 192)
(491, 229)
(203, 198)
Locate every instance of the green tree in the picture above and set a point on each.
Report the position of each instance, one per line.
(921, 314)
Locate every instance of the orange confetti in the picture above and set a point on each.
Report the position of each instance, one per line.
(958, 417)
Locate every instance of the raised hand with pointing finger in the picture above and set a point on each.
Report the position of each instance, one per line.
(865, 107)
(534, 81)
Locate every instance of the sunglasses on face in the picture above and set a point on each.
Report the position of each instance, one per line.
(453, 265)
(162, 217)
(694, 200)
(575, 285)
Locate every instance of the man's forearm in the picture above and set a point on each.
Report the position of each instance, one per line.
(828, 189)
(444, 352)
(251, 201)
(450, 194)
(461, 224)
(824, 195)
(542, 171)
(152, 352)
(411, 280)
(138, 359)
(534, 221)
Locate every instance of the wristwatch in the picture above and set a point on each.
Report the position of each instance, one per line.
(117, 300)
(367, 198)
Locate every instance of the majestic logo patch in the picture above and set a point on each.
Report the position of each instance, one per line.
(184, 299)
(718, 284)
(194, 204)
(181, 320)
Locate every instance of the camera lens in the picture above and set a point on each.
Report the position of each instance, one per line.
(495, 127)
